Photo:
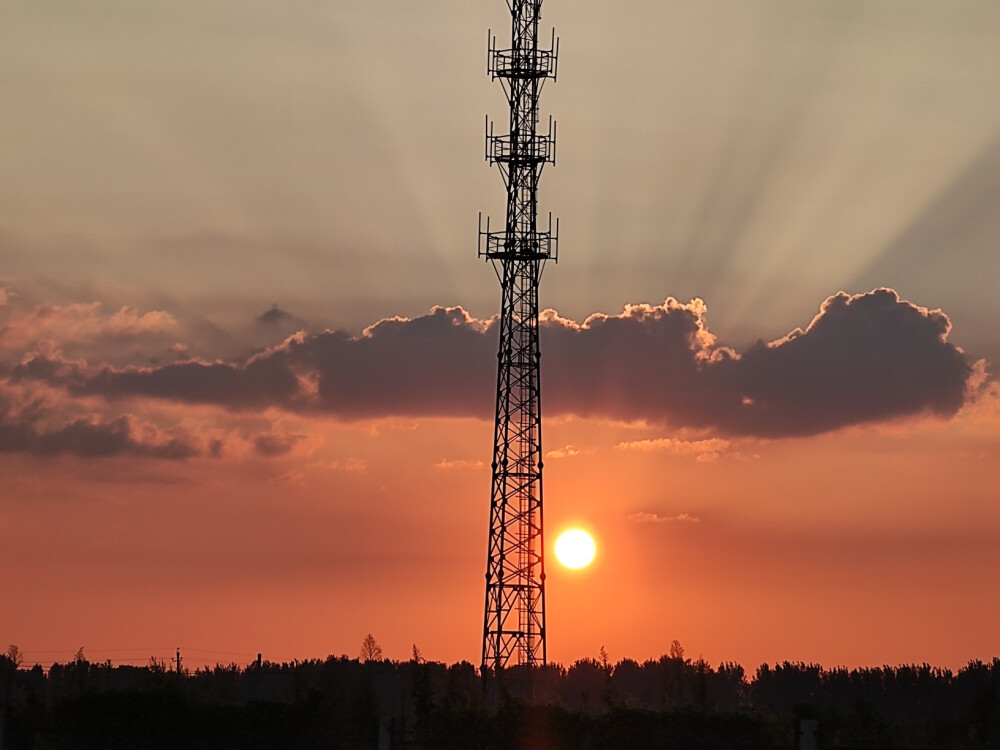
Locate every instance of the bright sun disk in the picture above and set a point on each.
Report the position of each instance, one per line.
(575, 548)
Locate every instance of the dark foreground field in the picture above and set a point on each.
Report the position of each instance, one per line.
(344, 703)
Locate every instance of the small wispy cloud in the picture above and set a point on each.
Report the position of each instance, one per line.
(567, 451)
(274, 444)
(645, 517)
(350, 464)
(703, 450)
(296, 478)
(458, 464)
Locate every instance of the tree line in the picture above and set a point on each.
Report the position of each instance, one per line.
(368, 702)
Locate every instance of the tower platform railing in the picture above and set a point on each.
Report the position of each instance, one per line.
(529, 245)
(523, 63)
(533, 148)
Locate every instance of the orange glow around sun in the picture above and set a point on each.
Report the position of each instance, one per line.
(575, 548)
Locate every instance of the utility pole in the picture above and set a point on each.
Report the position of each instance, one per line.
(514, 621)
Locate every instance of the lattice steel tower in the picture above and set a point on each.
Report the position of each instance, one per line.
(514, 622)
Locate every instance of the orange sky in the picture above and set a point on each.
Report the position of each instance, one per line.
(865, 546)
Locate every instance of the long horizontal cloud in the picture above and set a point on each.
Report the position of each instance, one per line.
(79, 323)
(863, 358)
(25, 431)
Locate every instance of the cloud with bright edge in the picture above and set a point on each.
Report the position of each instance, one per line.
(862, 359)
(703, 450)
(27, 427)
(458, 464)
(567, 451)
(79, 323)
(656, 518)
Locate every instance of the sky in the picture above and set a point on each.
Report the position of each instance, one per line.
(247, 347)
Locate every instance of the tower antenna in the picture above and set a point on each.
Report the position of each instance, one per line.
(514, 621)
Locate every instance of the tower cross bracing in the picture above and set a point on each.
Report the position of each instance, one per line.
(514, 620)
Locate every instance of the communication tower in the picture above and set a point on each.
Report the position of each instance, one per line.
(514, 622)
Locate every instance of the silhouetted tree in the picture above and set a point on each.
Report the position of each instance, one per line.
(698, 675)
(676, 650)
(462, 687)
(631, 685)
(674, 671)
(785, 685)
(728, 688)
(370, 650)
(609, 694)
(157, 666)
(586, 686)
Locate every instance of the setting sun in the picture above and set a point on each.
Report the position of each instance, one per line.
(575, 548)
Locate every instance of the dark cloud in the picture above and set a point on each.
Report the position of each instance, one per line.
(264, 381)
(275, 444)
(21, 431)
(439, 364)
(275, 315)
(863, 358)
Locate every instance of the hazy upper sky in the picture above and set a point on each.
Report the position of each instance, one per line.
(187, 184)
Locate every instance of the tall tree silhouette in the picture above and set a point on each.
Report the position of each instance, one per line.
(370, 650)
